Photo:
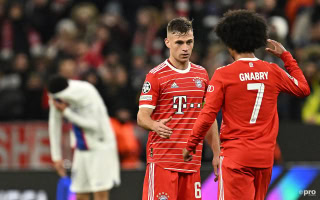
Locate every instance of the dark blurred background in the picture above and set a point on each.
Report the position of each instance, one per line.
(113, 44)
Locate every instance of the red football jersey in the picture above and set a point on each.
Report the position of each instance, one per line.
(180, 94)
(247, 91)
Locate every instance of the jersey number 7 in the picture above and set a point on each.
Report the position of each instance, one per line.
(256, 108)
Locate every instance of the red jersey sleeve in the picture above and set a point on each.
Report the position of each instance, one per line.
(214, 101)
(294, 81)
(150, 92)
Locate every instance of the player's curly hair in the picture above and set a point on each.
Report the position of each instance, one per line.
(179, 25)
(242, 30)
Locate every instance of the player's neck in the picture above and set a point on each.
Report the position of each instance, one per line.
(177, 64)
(237, 56)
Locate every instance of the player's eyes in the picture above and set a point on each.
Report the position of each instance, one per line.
(182, 42)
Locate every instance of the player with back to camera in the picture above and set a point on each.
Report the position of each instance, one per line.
(170, 102)
(95, 167)
(247, 91)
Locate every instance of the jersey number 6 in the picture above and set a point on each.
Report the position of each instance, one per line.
(197, 190)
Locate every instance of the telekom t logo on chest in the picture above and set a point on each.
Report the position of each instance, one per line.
(179, 102)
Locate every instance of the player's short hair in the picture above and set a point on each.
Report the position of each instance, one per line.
(57, 83)
(179, 25)
(242, 30)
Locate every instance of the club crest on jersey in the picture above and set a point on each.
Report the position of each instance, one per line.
(162, 196)
(146, 87)
(198, 82)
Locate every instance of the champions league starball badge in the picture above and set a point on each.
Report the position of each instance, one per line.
(146, 87)
(198, 82)
(162, 196)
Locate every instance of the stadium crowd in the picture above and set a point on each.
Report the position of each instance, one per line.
(113, 44)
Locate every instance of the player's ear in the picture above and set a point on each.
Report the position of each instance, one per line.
(166, 41)
(232, 52)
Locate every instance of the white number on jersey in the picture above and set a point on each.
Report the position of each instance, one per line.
(197, 190)
(256, 108)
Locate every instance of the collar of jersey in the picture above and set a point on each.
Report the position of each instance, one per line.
(248, 59)
(179, 70)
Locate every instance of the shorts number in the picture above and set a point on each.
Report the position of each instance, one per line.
(256, 108)
(197, 190)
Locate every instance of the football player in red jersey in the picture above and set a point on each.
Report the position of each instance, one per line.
(170, 102)
(247, 91)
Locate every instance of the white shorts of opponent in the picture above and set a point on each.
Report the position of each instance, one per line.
(95, 170)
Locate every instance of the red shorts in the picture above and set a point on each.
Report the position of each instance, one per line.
(162, 184)
(239, 182)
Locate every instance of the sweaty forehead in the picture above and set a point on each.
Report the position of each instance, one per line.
(181, 36)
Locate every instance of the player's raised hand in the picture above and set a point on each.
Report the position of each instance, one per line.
(161, 129)
(58, 165)
(215, 164)
(277, 49)
(187, 154)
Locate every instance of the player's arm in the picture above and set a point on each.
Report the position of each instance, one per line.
(207, 116)
(55, 123)
(83, 122)
(295, 83)
(145, 121)
(147, 103)
(213, 139)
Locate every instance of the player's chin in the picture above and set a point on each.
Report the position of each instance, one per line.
(184, 58)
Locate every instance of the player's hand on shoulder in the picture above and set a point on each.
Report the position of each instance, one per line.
(275, 48)
(161, 129)
(58, 165)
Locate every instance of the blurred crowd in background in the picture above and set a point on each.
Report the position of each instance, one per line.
(113, 44)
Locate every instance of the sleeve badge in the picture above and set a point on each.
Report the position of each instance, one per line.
(146, 87)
